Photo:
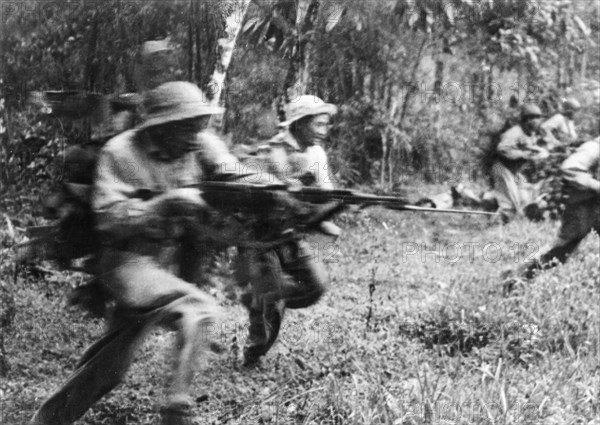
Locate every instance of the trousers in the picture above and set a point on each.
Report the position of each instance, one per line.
(285, 277)
(513, 192)
(146, 295)
(578, 220)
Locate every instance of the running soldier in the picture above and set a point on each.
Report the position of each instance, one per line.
(288, 276)
(581, 172)
(517, 146)
(139, 237)
(560, 127)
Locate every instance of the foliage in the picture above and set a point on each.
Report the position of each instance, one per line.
(374, 53)
(378, 60)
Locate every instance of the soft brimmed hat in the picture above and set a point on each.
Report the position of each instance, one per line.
(155, 46)
(306, 105)
(571, 104)
(530, 110)
(175, 101)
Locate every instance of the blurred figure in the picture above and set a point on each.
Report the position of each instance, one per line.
(287, 276)
(139, 235)
(560, 128)
(581, 172)
(517, 146)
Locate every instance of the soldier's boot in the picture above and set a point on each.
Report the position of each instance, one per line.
(265, 323)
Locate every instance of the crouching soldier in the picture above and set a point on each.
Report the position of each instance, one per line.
(560, 127)
(139, 235)
(582, 215)
(517, 146)
(287, 276)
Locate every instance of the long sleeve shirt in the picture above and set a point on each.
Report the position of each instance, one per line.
(581, 171)
(129, 164)
(561, 126)
(516, 147)
(295, 166)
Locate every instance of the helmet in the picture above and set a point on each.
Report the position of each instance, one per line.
(304, 106)
(175, 101)
(530, 110)
(571, 104)
(157, 63)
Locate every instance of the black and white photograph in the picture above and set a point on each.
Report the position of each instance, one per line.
(312, 212)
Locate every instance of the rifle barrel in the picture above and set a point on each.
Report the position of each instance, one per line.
(440, 210)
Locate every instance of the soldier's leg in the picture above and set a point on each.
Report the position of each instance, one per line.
(551, 256)
(261, 271)
(578, 220)
(265, 324)
(147, 295)
(101, 368)
(289, 278)
(507, 191)
(308, 278)
(194, 258)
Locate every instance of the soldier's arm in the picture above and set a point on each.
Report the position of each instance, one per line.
(515, 146)
(217, 161)
(554, 123)
(577, 168)
(120, 210)
(279, 166)
(321, 168)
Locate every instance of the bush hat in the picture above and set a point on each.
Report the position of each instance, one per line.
(304, 106)
(571, 104)
(175, 101)
(530, 110)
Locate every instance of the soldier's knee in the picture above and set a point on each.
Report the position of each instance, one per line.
(198, 308)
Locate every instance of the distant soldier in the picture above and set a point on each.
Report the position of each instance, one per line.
(581, 172)
(560, 127)
(288, 276)
(516, 147)
(139, 236)
(109, 115)
(157, 64)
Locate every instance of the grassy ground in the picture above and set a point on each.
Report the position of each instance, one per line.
(414, 330)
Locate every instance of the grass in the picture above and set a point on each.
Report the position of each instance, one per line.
(411, 332)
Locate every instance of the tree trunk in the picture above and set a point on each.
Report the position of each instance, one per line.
(298, 61)
(392, 148)
(233, 25)
(190, 58)
(367, 84)
(198, 42)
(413, 77)
(384, 150)
(439, 79)
(89, 77)
(489, 88)
(571, 71)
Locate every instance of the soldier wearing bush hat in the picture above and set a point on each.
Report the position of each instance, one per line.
(517, 146)
(137, 251)
(288, 276)
(560, 127)
(304, 106)
(581, 172)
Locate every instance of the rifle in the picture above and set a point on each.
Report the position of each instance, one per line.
(233, 193)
